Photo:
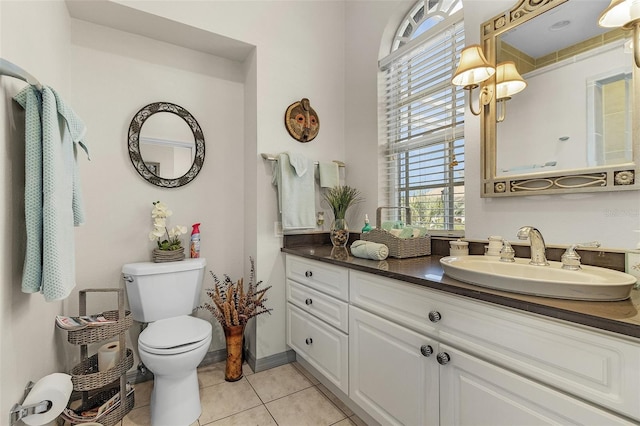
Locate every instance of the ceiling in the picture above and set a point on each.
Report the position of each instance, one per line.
(124, 18)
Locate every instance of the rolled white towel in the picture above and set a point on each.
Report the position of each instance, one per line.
(369, 250)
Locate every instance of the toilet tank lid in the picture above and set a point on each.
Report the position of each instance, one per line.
(150, 268)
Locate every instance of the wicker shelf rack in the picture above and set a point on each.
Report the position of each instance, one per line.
(95, 387)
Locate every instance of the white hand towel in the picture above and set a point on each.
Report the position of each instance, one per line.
(296, 192)
(369, 250)
(329, 174)
(299, 162)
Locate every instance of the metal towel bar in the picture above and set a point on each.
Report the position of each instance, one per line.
(12, 70)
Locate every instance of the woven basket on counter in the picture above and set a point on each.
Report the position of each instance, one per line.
(399, 248)
(103, 332)
(85, 376)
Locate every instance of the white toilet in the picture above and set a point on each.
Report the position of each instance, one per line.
(174, 343)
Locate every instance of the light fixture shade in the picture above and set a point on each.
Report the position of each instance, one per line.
(620, 13)
(473, 67)
(508, 80)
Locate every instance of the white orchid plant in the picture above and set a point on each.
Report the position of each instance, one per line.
(167, 239)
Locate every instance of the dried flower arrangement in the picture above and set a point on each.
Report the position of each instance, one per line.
(233, 306)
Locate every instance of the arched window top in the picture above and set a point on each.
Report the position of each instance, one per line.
(424, 15)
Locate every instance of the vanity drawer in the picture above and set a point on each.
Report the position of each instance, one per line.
(332, 311)
(595, 366)
(321, 345)
(329, 279)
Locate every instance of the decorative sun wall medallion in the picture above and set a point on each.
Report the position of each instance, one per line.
(301, 121)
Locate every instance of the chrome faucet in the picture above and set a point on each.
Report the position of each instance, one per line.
(538, 248)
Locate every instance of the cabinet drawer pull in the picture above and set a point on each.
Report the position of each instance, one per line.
(308, 274)
(308, 302)
(426, 350)
(434, 316)
(443, 358)
(308, 340)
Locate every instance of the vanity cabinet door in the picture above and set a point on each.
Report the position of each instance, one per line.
(393, 371)
(323, 346)
(474, 392)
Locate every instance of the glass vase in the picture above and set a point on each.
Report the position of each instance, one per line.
(339, 233)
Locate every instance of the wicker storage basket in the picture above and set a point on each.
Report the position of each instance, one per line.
(97, 387)
(399, 248)
(113, 417)
(85, 376)
(103, 332)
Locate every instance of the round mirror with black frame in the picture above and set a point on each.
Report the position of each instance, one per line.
(164, 154)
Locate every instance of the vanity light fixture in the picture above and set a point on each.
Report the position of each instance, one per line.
(508, 83)
(625, 14)
(474, 69)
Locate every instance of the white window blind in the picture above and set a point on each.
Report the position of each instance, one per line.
(423, 125)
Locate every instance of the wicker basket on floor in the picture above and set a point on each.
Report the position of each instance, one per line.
(399, 248)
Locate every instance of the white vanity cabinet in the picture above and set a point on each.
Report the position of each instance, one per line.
(418, 356)
(493, 365)
(317, 316)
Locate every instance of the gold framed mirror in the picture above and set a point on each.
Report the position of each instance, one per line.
(576, 126)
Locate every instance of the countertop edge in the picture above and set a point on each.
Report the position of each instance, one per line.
(532, 304)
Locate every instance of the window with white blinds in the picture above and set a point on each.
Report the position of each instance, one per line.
(423, 121)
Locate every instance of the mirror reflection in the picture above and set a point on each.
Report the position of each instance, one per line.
(578, 98)
(166, 144)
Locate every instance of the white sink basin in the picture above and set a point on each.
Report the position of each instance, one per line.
(589, 283)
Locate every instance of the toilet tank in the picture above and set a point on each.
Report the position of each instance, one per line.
(163, 290)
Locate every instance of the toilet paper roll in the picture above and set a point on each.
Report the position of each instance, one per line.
(108, 356)
(56, 388)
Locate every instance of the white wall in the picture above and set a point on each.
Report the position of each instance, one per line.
(299, 53)
(30, 347)
(112, 81)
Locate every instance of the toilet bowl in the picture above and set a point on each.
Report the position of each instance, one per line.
(172, 349)
(174, 343)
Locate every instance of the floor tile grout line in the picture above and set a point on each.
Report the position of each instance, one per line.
(331, 402)
(304, 372)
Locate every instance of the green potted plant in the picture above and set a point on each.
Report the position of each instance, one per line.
(340, 198)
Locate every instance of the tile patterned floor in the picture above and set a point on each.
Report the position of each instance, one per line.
(282, 396)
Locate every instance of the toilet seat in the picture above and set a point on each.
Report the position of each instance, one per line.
(175, 335)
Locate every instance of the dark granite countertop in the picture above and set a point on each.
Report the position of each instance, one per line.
(618, 317)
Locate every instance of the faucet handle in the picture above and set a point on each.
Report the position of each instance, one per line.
(507, 253)
(571, 259)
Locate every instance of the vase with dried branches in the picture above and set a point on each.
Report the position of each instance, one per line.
(233, 307)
